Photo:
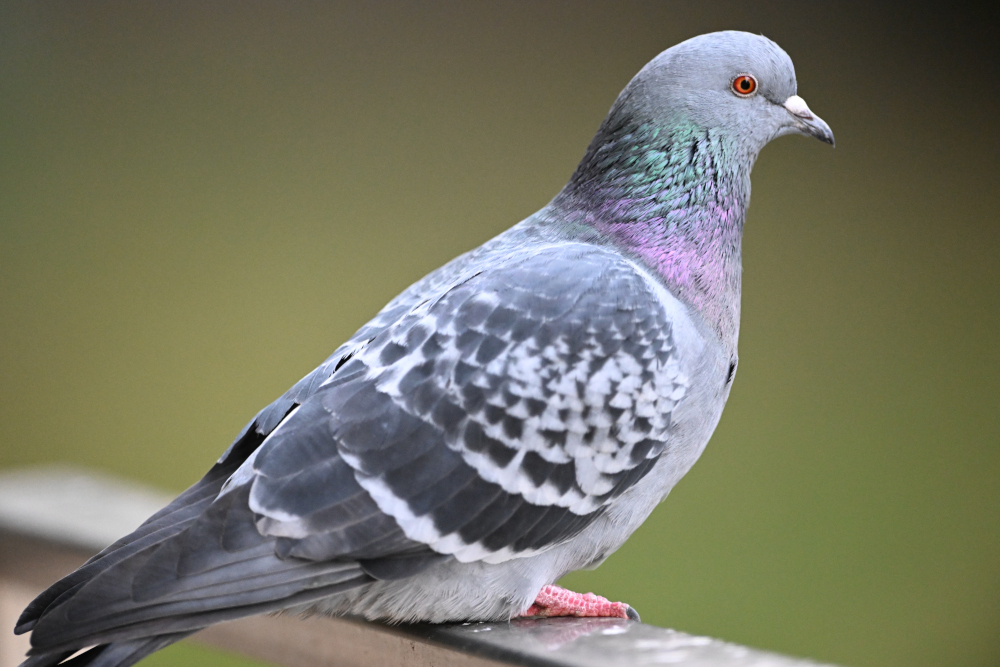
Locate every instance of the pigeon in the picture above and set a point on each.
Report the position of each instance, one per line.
(511, 417)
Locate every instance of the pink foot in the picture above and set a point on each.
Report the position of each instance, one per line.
(556, 601)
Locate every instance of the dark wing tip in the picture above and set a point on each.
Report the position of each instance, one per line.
(24, 625)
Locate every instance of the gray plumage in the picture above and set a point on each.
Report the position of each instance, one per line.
(513, 416)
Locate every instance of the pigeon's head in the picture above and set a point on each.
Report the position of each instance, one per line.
(736, 83)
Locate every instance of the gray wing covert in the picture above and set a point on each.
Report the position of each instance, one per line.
(494, 420)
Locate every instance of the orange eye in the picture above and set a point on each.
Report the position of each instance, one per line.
(744, 85)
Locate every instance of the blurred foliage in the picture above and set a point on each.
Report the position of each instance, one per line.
(199, 202)
(192, 655)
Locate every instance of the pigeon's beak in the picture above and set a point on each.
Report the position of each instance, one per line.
(806, 122)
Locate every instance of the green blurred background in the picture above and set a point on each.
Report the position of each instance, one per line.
(198, 202)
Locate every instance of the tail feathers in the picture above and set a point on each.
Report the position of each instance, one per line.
(46, 659)
(68, 585)
(144, 592)
(217, 568)
(180, 625)
(168, 522)
(118, 654)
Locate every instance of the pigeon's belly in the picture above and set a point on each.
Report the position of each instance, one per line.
(448, 591)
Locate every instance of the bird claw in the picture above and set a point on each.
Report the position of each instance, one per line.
(557, 601)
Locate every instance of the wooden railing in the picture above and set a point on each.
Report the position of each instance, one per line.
(52, 519)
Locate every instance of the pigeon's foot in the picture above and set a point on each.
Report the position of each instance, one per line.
(557, 601)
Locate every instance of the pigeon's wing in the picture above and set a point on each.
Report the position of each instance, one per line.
(495, 419)
(184, 510)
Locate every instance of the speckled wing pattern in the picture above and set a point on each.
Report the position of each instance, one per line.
(493, 419)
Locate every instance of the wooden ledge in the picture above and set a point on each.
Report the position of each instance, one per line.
(52, 519)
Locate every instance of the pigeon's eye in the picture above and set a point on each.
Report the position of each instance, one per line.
(744, 85)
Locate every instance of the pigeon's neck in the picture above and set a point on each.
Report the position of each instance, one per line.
(675, 200)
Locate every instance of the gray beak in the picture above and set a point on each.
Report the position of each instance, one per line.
(806, 122)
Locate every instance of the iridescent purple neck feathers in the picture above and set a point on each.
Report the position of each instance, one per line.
(675, 200)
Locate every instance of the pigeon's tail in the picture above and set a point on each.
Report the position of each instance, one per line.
(198, 561)
(146, 595)
(126, 644)
(173, 519)
(164, 525)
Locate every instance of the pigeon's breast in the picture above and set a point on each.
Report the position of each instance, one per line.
(707, 364)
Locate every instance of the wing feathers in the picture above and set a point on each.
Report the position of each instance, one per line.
(166, 523)
(523, 384)
(189, 618)
(151, 586)
(486, 419)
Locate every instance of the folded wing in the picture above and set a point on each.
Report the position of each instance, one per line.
(492, 418)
